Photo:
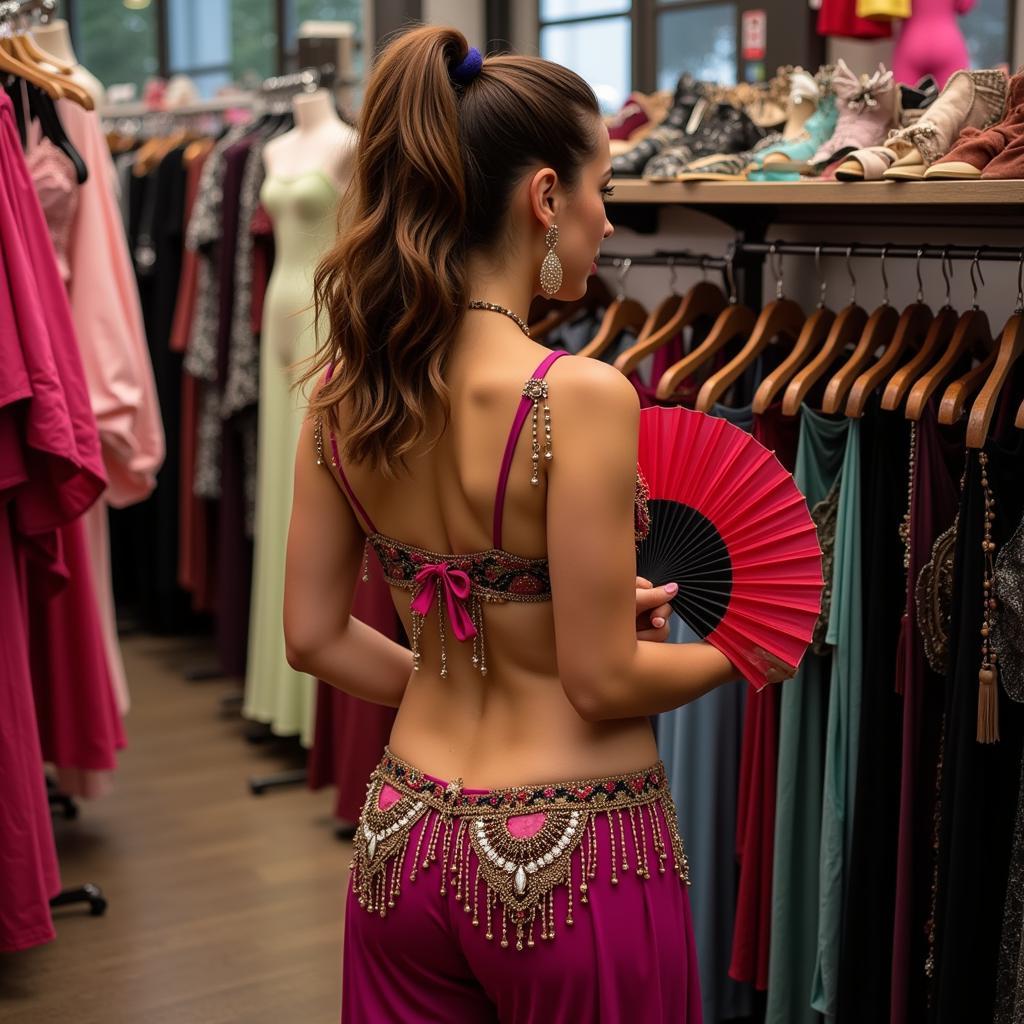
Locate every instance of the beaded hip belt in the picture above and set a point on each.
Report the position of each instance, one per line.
(524, 840)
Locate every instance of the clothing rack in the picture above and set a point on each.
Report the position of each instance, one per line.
(703, 261)
(306, 80)
(22, 8)
(218, 105)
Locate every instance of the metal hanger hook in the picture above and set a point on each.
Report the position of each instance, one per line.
(947, 273)
(776, 264)
(885, 279)
(703, 268)
(672, 271)
(1019, 308)
(976, 265)
(623, 271)
(822, 283)
(853, 280)
(730, 256)
(920, 283)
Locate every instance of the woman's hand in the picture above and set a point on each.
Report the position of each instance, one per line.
(653, 609)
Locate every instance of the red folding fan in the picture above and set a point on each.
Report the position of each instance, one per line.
(729, 525)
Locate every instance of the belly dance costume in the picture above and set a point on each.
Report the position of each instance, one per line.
(515, 861)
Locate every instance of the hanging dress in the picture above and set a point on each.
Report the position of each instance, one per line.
(302, 210)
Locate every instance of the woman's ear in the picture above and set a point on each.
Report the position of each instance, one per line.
(544, 196)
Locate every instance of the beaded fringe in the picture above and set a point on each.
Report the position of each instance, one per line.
(511, 888)
(476, 613)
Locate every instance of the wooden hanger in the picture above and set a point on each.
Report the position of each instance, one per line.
(878, 332)
(911, 330)
(782, 318)
(703, 301)
(1009, 350)
(10, 64)
(846, 329)
(733, 321)
(555, 314)
(24, 49)
(972, 334)
(935, 341)
(810, 339)
(621, 314)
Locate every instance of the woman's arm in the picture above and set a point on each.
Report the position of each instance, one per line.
(607, 672)
(325, 552)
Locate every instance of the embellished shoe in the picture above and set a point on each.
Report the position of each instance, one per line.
(970, 99)
(995, 152)
(726, 130)
(818, 128)
(688, 110)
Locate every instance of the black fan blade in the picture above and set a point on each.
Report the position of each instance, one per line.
(684, 545)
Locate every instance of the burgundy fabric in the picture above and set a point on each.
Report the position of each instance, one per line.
(839, 18)
(350, 733)
(939, 462)
(262, 228)
(759, 755)
(661, 359)
(631, 117)
(51, 471)
(629, 957)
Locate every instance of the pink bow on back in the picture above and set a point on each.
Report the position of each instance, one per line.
(456, 589)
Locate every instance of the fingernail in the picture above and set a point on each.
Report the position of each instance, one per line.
(671, 588)
(658, 621)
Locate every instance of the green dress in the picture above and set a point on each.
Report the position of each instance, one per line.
(302, 209)
(823, 467)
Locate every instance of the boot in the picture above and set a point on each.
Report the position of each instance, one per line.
(688, 109)
(996, 152)
(970, 99)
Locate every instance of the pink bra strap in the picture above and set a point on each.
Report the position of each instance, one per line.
(513, 437)
(341, 472)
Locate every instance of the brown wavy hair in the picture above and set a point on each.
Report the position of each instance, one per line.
(435, 167)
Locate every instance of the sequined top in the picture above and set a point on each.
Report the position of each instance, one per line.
(493, 575)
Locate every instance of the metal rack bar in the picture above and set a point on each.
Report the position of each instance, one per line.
(862, 250)
(218, 105)
(666, 259)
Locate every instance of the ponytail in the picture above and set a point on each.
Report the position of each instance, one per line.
(435, 165)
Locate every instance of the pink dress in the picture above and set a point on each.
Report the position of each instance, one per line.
(51, 471)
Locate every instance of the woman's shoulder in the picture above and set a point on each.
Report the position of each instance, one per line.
(591, 382)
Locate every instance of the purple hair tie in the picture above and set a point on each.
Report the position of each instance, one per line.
(468, 68)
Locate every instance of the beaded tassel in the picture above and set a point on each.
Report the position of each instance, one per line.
(479, 643)
(988, 695)
(536, 389)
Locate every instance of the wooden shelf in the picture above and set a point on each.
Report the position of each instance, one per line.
(816, 193)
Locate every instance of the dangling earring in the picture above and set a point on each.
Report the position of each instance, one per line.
(551, 268)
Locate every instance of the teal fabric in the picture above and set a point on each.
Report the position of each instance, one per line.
(843, 728)
(700, 745)
(804, 708)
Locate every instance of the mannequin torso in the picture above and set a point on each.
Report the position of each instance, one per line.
(320, 141)
(55, 39)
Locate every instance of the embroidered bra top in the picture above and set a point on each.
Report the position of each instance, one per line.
(460, 583)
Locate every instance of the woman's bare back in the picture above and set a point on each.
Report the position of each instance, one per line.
(515, 724)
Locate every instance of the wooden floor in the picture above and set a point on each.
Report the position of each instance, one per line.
(225, 908)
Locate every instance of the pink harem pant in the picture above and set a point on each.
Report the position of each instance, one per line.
(628, 956)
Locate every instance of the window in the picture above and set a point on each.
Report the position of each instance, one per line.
(214, 42)
(696, 37)
(988, 32)
(601, 39)
(595, 40)
(117, 42)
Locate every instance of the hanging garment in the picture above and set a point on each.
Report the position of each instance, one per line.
(1008, 644)
(842, 737)
(351, 734)
(866, 966)
(699, 744)
(144, 541)
(883, 10)
(759, 754)
(803, 716)
(302, 212)
(979, 781)
(51, 470)
(938, 462)
(839, 18)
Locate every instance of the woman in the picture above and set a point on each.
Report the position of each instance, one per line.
(485, 886)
